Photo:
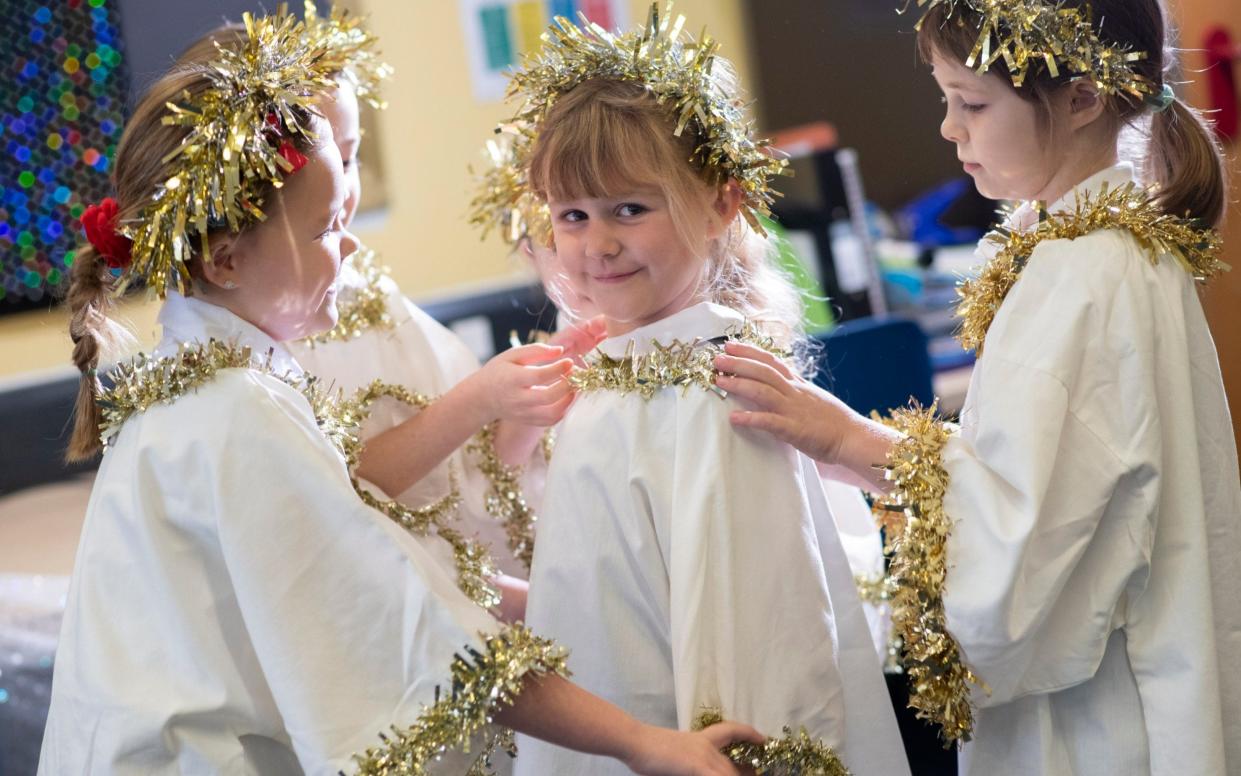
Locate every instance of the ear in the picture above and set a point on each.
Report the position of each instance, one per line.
(1086, 104)
(222, 271)
(725, 208)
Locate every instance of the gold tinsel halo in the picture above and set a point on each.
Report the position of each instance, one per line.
(228, 157)
(675, 68)
(1043, 33)
(504, 201)
(1129, 207)
(350, 48)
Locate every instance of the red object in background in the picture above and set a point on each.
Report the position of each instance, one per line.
(1222, 55)
(598, 11)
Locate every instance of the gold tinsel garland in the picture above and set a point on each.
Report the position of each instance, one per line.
(475, 567)
(483, 682)
(793, 754)
(145, 382)
(1044, 33)
(504, 200)
(349, 48)
(228, 155)
(678, 365)
(1129, 208)
(675, 69)
(504, 498)
(939, 679)
(362, 309)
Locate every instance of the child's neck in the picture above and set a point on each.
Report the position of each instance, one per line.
(1076, 167)
(619, 328)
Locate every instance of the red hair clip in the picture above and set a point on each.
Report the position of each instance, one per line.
(100, 222)
(291, 155)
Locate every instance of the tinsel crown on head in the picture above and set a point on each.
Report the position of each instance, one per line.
(351, 47)
(677, 71)
(261, 91)
(1029, 34)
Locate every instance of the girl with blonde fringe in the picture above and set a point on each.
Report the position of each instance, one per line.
(236, 607)
(1067, 561)
(691, 571)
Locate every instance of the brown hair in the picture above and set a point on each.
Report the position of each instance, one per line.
(140, 166)
(1183, 156)
(605, 137)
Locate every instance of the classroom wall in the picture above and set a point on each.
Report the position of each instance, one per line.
(433, 129)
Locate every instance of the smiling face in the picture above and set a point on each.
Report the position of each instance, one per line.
(626, 254)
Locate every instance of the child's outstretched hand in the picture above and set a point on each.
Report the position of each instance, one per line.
(580, 338)
(525, 385)
(666, 752)
(798, 412)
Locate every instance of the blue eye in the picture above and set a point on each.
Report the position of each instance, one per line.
(572, 216)
(631, 209)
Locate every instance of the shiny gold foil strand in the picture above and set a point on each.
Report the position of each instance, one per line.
(1043, 33)
(504, 499)
(1129, 207)
(940, 681)
(792, 754)
(227, 157)
(472, 560)
(483, 682)
(348, 47)
(361, 309)
(503, 200)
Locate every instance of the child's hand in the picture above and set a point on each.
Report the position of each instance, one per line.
(579, 339)
(798, 412)
(664, 752)
(524, 385)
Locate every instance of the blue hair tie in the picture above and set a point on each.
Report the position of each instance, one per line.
(1162, 101)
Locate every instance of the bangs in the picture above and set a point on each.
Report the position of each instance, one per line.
(950, 38)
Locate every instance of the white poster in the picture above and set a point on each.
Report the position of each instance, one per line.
(499, 32)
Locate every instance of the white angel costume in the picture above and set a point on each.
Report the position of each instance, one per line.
(687, 565)
(1093, 492)
(235, 608)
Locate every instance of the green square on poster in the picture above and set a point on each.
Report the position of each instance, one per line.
(496, 37)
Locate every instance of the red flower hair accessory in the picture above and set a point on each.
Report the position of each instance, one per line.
(100, 222)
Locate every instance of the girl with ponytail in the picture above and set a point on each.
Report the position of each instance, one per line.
(1066, 562)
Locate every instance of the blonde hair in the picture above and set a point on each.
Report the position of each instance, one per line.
(1182, 155)
(141, 165)
(606, 137)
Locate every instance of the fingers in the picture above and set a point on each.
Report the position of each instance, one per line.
(753, 353)
(547, 373)
(777, 425)
(722, 734)
(532, 354)
(761, 372)
(759, 394)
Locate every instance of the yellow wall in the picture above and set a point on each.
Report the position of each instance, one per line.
(432, 130)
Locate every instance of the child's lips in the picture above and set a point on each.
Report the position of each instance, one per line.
(615, 277)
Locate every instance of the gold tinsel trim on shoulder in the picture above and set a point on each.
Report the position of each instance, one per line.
(677, 71)
(1044, 33)
(1129, 208)
(360, 310)
(483, 683)
(227, 156)
(473, 562)
(678, 365)
(939, 679)
(146, 381)
(792, 754)
(504, 499)
(348, 47)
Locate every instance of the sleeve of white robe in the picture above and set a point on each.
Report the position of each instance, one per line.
(352, 623)
(751, 630)
(1048, 481)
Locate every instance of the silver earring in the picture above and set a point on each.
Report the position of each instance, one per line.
(230, 285)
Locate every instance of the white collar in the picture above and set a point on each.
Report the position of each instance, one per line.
(703, 321)
(1026, 215)
(186, 320)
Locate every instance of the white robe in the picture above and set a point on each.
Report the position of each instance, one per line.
(423, 356)
(686, 564)
(235, 608)
(1095, 559)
